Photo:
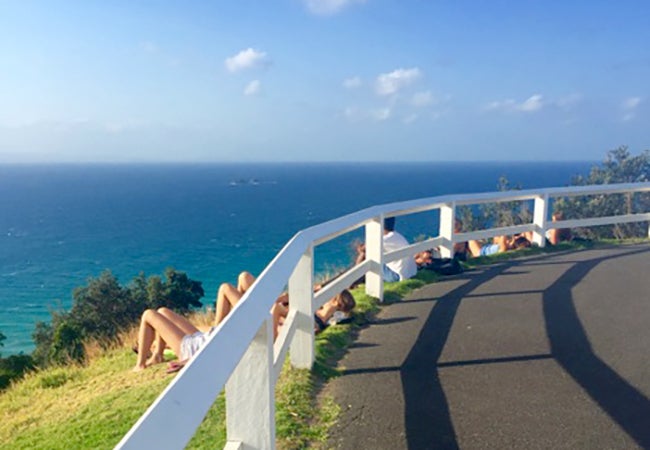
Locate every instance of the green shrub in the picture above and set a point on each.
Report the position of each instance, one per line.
(620, 166)
(13, 368)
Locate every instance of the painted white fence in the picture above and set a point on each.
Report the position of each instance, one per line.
(241, 354)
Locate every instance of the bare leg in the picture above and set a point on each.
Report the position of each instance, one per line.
(227, 298)
(178, 320)
(502, 241)
(474, 248)
(245, 281)
(361, 254)
(160, 345)
(279, 312)
(153, 323)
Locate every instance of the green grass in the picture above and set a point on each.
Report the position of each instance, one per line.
(78, 407)
(94, 406)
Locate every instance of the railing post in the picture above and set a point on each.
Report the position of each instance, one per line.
(539, 220)
(250, 399)
(447, 218)
(375, 253)
(301, 295)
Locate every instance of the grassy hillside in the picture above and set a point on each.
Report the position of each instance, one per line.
(94, 406)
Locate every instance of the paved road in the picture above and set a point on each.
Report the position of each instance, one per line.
(548, 352)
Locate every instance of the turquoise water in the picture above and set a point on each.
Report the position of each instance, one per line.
(60, 225)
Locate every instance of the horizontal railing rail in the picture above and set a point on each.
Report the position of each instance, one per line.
(242, 356)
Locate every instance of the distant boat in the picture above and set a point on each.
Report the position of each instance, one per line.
(241, 182)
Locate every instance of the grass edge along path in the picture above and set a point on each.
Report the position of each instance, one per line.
(94, 406)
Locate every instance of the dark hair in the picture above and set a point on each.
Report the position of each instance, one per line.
(520, 242)
(389, 224)
(346, 301)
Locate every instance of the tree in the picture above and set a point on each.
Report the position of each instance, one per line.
(43, 337)
(13, 367)
(620, 166)
(177, 291)
(67, 344)
(180, 292)
(103, 308)
(490, 215)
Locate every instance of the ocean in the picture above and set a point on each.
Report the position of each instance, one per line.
(61, 224)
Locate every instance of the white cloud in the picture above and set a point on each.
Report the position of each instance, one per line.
(380, 114)
(422, 99)
(629, 107)
(390, 83)
(246, 59)
(569, 101)
(410, 118)
(532, 104)
(253, 88)
(631, 103)
(328, 7)
(352, 83)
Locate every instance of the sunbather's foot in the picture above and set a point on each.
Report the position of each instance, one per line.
(139, 368)
(175, 366)
(154, 359)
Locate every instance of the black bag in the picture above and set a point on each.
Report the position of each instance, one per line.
(444, 266)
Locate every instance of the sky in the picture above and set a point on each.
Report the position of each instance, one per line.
(322, 80)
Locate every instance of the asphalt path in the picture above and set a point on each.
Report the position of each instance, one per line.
(546, 352)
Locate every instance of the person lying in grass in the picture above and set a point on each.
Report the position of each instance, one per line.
(343, 302)
(163, 328)
(500, 244)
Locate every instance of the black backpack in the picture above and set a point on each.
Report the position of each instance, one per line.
(444, 266)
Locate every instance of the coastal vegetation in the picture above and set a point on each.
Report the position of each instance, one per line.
(93, 405)
(619, 166)
(80, 370)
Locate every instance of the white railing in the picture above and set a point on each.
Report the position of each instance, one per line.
(241, 354)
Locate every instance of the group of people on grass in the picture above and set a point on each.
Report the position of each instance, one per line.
(163, 328)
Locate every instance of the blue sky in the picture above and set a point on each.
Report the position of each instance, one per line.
(322, 80)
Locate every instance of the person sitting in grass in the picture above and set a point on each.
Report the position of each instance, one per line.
(555, 235)
(399, 270)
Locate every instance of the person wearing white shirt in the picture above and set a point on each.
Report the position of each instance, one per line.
(401, 269)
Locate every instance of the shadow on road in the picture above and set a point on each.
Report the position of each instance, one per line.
(571, 349)
(427, 418)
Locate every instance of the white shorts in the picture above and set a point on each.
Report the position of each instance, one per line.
(191, 344)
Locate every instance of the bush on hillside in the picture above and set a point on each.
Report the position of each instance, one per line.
(13, 368)
(103, 308)
(491, 215)
(620, 166)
